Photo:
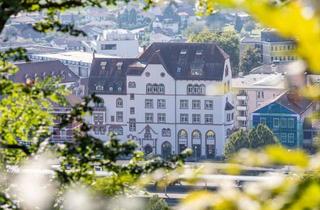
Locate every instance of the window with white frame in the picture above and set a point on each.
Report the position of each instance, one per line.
(148, 104)
(132, 110)
(149, 117)
(184, 104)
(119, 116)
(132, 124)
(196, 118)
(208, 119)
(291, 138)
(184, 118)
(208, 104)
(161, 117)
(166, 132)
(275, 122)
(196, 104)
(161, 103)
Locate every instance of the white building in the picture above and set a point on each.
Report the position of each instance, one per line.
(174, 96)
(117, 42)
(78, 62)
(253, 91)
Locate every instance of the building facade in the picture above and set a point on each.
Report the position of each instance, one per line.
(253, 91)
(174, 96)
(286, 116)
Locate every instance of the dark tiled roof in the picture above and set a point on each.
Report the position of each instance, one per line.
(272, 36)
(177, 58)
(112, 77)
(294, 102)
(44, 69)
(228, 106)
(180, 58)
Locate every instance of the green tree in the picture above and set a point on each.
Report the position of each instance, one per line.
(227, 40)
(156, 203)
(250, 59)
(237, 141)
(261, 136)
(255, 138)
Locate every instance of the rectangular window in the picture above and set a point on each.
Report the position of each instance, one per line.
(196, 118)
(196, 104)
(228, 117)
(283, 137)
(161, 104)
(119, 116)
(149, 117)
(275, 122)
(112, 118)
(184, 118)
(208, 119)
(184, 104)
(148, 103)
(208, 104)
(263, 120)
(290, 123)
(161, 117)
(132, 124)
(132, 110)
(131, 96)
(291, 138)
(260, 94)
(283, 122)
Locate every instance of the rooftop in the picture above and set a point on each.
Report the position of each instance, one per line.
(85, 57)
(260, 81)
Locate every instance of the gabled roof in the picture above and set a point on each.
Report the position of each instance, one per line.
(228, 106)
(291, 101)
(110, 74)
(42, 70)
(180, 58)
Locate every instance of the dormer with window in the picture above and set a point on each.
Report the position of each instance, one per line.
(99, 87)
(103, 65)
(196, 72)
(119, 66)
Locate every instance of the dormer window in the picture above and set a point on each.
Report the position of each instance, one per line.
(183, 52)
(199, 52)
(196, 72)
(119, 65)
(110, 88)
(103, 65)
(99, 87)
(119, 88)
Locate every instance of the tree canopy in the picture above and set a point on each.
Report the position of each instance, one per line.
(250, 59)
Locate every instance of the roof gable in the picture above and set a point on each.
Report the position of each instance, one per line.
(274, 108)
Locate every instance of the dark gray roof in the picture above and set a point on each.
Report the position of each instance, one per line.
(44, 69)
(180, 58)
(272, 36)
(294, 102)
(177, 58)
(112, 77)
(228, 106)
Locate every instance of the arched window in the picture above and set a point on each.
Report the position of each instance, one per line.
(182, 134)
(196, 134)
(202, 89)
(155, 88)
(196, 89)
(149, 88)
(190, 89)
(147, 149)
(119, 103)
(210, 135)
(161, 89)
(166, 149)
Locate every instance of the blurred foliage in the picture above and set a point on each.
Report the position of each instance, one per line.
(227, 40)
(255, 138)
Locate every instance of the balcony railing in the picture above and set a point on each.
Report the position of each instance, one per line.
(242, 97)
(242, 118)
(242, 108)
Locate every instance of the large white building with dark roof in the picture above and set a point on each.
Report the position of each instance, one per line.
(174, 96)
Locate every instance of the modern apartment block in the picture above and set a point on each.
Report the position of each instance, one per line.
(174, 96)
(252, 91)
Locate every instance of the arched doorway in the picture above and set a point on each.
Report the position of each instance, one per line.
(182, 140)
(166, 150)
(196, 144)
(210, 144)
(147, 149)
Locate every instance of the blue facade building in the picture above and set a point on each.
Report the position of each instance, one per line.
(285, 116)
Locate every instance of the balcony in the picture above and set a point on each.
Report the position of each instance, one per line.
(242, 97)
(242, 108)
(242, 118)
